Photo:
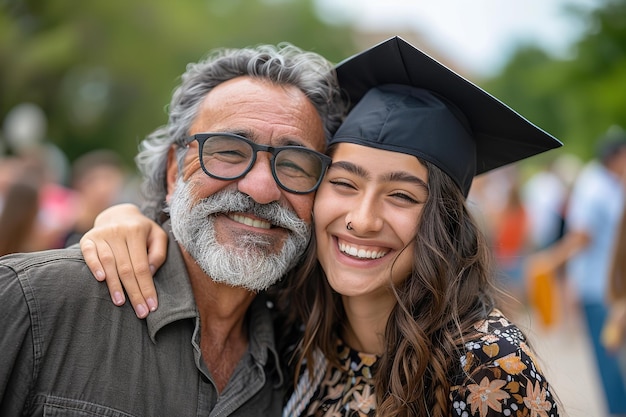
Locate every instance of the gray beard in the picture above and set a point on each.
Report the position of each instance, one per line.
(254, 263)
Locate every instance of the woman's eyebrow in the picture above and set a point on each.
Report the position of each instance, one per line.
(399, 176)
(351, 168)
(404, 176)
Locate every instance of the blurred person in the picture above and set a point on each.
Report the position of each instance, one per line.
(57, 200)
(18, 217)
(495, 201)
(12, 168)
(210, 348)
(28, 171)
(98, 178)
(487, 197)
(511, 236)
(7, 175)
(545, 195)
(614, 329)
(592, 221)
(45, 164)
(399, 312)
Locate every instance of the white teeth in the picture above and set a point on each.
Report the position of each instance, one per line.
(250, 222)
(360, 253)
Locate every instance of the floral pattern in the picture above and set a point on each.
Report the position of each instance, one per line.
(497, 376)
(346, 391)
(500, 375)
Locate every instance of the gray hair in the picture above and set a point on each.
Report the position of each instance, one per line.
(283, 64)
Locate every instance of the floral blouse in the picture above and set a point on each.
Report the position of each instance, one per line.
(498, 376)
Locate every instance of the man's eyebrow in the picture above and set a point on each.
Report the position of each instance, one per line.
(292, 142)
(248, 134)
(286, 141)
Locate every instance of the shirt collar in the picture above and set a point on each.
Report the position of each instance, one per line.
(177, 302)
(262, 338)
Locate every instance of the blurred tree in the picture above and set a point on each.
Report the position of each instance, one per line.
(103, 71)
(575, 99)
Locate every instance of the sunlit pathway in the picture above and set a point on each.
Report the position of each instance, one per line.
(565, 354)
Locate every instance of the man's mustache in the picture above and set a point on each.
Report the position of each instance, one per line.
(230, 201)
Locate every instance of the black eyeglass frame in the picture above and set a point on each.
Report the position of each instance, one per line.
(274, 150)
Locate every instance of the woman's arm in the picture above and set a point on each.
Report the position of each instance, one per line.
(125, 248)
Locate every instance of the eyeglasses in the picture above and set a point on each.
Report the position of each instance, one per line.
(226, 156)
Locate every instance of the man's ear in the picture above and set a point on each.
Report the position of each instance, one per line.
(172, 172)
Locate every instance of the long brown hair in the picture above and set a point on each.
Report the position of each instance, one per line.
(450, 289)
(17, 218)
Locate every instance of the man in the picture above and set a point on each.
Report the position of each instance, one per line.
(237, 164)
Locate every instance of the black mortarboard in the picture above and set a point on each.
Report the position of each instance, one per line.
(407, 102)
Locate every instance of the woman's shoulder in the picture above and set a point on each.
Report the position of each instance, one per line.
(498, 344)
(498, 371)
(495, 337)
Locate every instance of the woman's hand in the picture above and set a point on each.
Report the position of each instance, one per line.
(125, 248)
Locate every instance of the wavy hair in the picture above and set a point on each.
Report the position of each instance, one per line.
(449, 290)
(283, 64)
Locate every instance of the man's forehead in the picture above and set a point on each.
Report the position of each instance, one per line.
(263, 112)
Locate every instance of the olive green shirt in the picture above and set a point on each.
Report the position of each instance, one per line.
(65, 349)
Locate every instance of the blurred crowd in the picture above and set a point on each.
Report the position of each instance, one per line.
(559, 240)
(522, 214)
(45, 204)
(46, 201)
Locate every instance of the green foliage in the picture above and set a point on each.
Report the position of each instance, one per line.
(575, 99)
(104, 70)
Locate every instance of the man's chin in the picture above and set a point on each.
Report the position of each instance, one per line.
(253, 282)
(252, 244)
(245, 249)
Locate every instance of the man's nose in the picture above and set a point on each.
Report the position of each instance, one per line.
(259, 182)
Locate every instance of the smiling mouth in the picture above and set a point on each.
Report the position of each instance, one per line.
(360, 253)
(261, 224)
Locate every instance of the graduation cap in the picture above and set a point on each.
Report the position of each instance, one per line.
(405, 101)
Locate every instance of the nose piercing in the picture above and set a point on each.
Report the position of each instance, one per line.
(349, 226)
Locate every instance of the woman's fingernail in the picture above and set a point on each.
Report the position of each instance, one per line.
(152, 304)
(141, 311)
(152, 269)
(100, 275)
(118, 298)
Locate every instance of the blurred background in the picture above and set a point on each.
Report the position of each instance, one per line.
(82, 83)
(101, 73)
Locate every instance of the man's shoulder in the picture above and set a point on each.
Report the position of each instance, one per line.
(52, 274)
(55, 291)
(20, 262)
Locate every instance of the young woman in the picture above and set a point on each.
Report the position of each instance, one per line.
(398, 310)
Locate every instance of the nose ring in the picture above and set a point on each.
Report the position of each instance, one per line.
(349, 226)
